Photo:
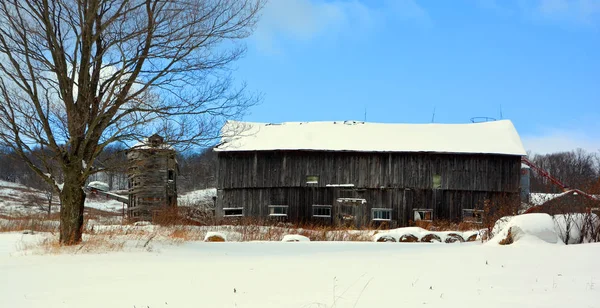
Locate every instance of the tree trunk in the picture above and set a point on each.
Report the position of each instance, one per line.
(72, 198)
(50, 205)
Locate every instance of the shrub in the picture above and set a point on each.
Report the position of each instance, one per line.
(509, 238)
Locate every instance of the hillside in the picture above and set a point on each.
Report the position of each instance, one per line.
(19, 200)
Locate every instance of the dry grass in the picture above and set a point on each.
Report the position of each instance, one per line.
(35, 223)
(446, 225)
(508, 240)
(92, 244)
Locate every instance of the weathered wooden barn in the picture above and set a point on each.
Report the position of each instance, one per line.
(152, 176)
(357, 173)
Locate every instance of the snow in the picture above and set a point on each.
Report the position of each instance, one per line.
(578, 225)
(295, 238)
(201, 196)
(105, 204)
(5, 184)
(17, 200)
(541, 198)
(14, 199)
(314, 274)
(99, 185)
(420, 233)
(497, 137)
(538, 227)
(144, 145)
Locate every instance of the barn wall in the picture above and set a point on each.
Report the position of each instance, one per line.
(446, 204)
(494, 173)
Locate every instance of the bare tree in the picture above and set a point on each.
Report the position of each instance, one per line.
(79, 75)
(577, 169)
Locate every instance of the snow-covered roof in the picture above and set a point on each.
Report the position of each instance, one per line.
(145, 145)
(497, 137)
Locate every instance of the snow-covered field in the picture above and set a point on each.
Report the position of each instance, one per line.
(17, 200)
(304, 274)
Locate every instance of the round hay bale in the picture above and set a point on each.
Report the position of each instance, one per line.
(386, 238)
(453, 238)
(472, 238)
(408, 238)
(295, 238)
(430, 238)
(215, 237)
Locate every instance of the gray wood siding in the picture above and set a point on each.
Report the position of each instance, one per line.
(492, 173)
(446, 204)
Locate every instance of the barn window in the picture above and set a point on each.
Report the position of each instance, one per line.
(423, 214)
(278, 210)
(312, 179)
(437, 181)
(171, 174)
(381, 214)
(233, 211)
(321, 210)
(474, 216)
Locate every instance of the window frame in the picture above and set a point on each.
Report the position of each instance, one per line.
(322, 206)
(225, 209)
(273, 206)
(382, 210)
(437, 177)
(423, 210)
(472, 211)
(313, 182)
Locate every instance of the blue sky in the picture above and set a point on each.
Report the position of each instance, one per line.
(536, 61)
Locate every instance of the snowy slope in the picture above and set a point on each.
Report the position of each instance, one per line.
(198, 197)
(17, 199)
(304, 274)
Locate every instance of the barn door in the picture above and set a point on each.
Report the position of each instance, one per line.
(349, 211)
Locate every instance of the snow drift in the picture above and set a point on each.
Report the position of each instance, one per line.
(527, 228)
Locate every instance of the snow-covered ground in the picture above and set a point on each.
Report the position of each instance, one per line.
(198, 197)
(303, 274)
(17, 199)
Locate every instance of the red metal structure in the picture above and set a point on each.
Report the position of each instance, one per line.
(554, 180)
(544, 173)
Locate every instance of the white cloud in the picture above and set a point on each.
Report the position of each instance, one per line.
(562, 12)
(303, 20)
(559, 141)
(586, 12)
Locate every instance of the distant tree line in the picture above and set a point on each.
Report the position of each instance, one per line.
(198, 169)
(576, 169)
